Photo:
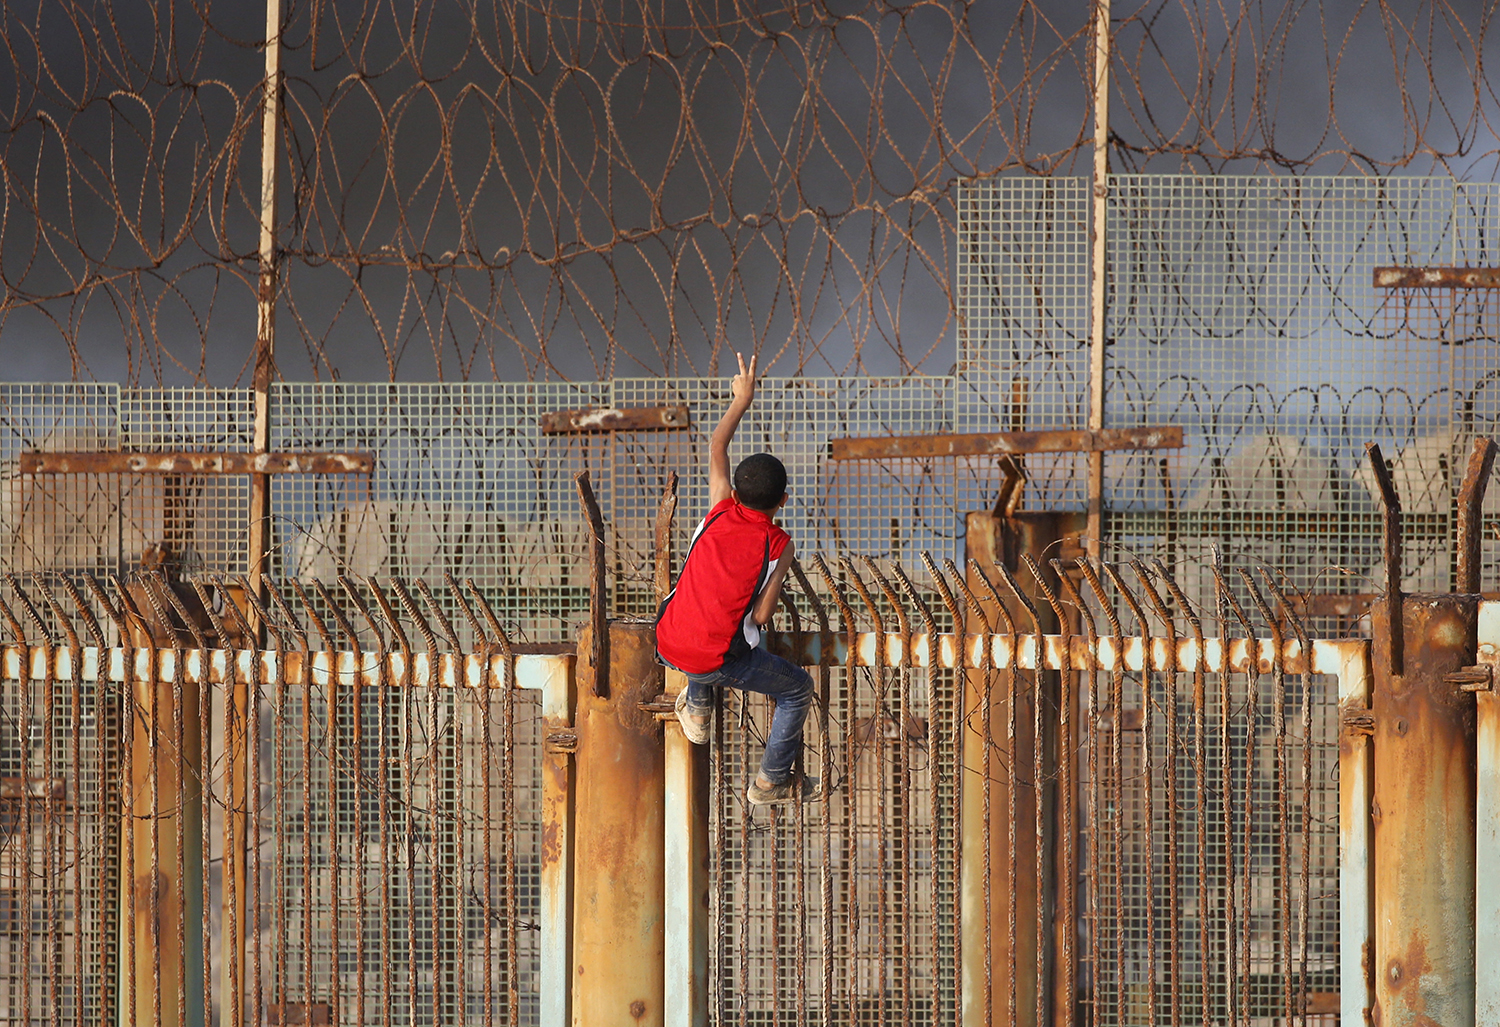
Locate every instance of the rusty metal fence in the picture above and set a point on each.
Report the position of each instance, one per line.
(1053, 797)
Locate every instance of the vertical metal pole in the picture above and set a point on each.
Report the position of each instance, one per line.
(1099, 212)
(1487, 840)
(618, 937)
(686, 873)
(265, 309)
(1355, 890)
(1424, 775)
(554, 972)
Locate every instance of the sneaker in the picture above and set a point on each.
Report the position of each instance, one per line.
(695, 728)
(811, 791)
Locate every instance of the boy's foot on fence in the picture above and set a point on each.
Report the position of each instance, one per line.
(695, 728)
(804, 789)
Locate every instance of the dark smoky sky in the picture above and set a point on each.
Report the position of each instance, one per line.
(586, 203)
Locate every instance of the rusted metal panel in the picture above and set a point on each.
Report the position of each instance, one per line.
(1424, 808)
(1437, 278)
(194, 464)
(604, 419)
(618, 938)
(1070, 440)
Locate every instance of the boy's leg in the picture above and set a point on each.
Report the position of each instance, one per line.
(792, 689)
(695, 706)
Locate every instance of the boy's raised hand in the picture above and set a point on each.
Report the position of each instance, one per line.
(742, 389)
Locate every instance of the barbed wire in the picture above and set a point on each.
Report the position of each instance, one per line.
(519, 191)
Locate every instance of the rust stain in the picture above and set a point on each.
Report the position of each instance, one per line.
(637, 1009)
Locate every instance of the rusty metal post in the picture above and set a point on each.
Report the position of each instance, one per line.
(1487, 841)
(618, 941)
(1098, 267)
(556, 871)
(1424, 811)
(991, 945)
(168, 906)
(1470, 500)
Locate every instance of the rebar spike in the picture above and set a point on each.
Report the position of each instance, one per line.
(944, 592)
(1180, 599)
(1261, 605)
(90, 622)
(345, 626)
(279, 601)
(1097, 587)
(846, 614)
(364, 611)
(1000, 607)
(928, 621)
(149, 580)
(444, 625)
(404, 598)
(220, 631)
(58, 613)
(1047, 593)
(115, 615)
(391, 620)
(494, 622)
(312, 616)
(132, 613)
(1025, 600)
(480, 639)
(31, 612)
(260, 612)
(864, 594)
(1071, 593)
(241, 623)
(810, 594)
(182, 613)
(15, 625)
(1127, 597)
(969, 598)
(903, 623)
(1290, 610)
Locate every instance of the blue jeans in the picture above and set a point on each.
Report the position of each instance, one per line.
(785, 682)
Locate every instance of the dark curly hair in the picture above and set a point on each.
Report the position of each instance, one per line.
(760, 481)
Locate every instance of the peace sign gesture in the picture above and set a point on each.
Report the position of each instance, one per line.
(743, 386)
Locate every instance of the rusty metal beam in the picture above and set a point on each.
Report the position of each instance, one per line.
(1437, 278)
(606, 419)
(618, 828)
(1487, 812)
(1390, 544)
(1068, 440)
(193, 463)
(1424, 810)
(1470, 499)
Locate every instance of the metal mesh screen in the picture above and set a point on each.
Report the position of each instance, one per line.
(389, 900)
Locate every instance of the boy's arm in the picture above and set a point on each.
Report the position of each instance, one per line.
(742, 389)
(765, 606)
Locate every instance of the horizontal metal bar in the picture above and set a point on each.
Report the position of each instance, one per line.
(809, 649)
(197, 463)
(1001, 652)
(602, 419)
(1437, 278)
(121, 665)
(1069, 440)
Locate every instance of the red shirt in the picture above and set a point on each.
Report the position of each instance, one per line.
(706, 620)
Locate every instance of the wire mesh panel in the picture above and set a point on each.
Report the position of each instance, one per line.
(59, 522)
(398, 809)
(840, 911)
(1243, 310)
(59, 851)
(465, 483)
